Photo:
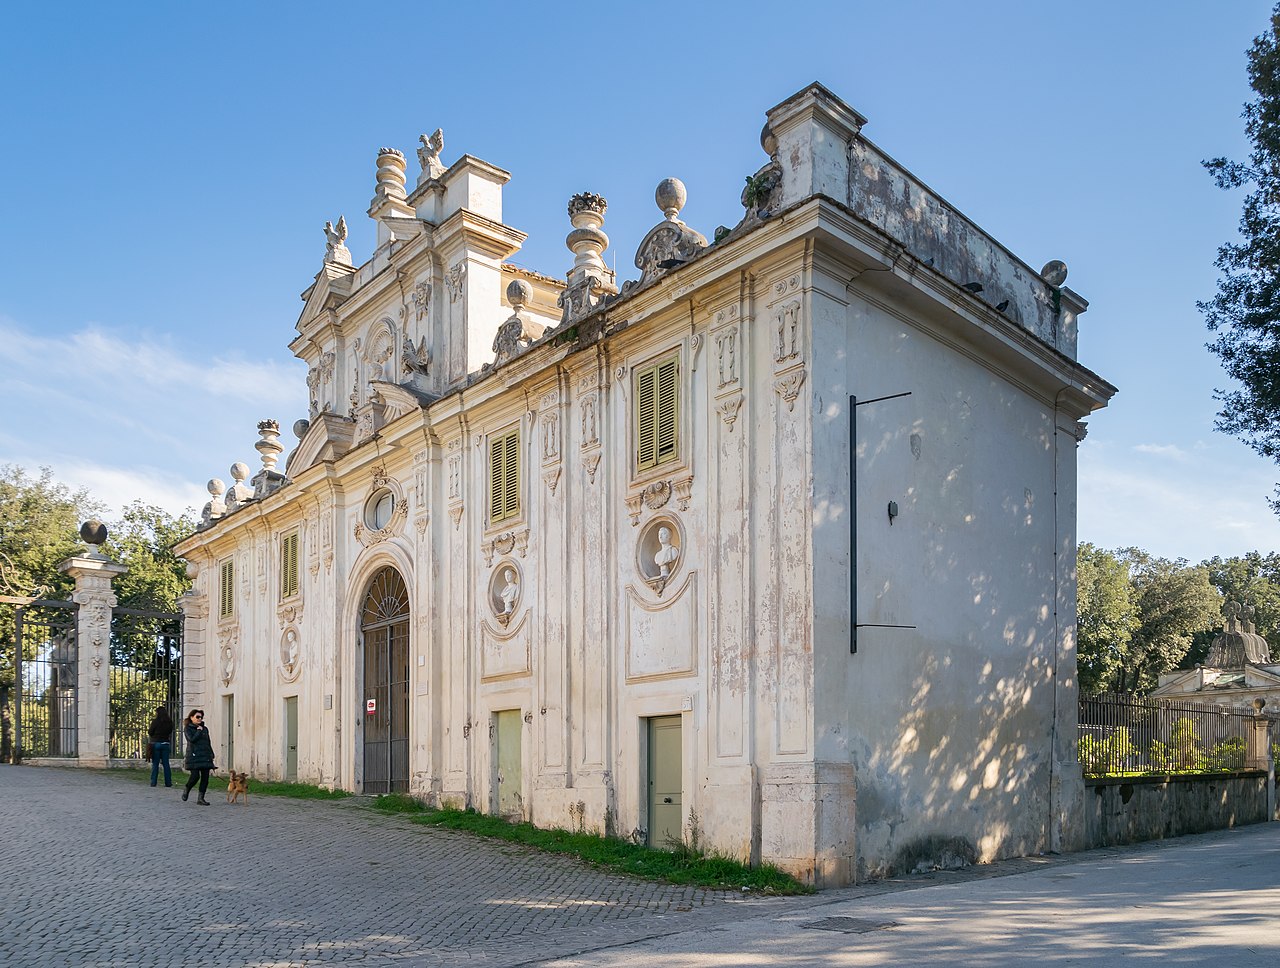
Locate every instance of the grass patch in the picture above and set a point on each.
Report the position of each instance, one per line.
(265, 788)
(682, 865)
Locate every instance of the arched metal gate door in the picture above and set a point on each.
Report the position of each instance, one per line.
(384, 630)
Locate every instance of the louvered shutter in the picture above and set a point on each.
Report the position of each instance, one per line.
(496, 448)
(666, 419)
(511, 475)
(226, 587)
(289, 565)
(504, 477)
(646, 410)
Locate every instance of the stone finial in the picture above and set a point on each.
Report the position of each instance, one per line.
(269, 446)
(589, 279)
(429, 155)
(587, 241)
(518, 331)
(94, 533)
(215, 507)
(239, 492)
(335, 250)
(390, 175)
(670, 243)
(300, 427)
(519, 292)
(1054, 273)
(671, 196)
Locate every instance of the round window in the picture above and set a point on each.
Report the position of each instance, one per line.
(378, 511)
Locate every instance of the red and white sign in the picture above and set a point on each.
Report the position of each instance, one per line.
(371, 706)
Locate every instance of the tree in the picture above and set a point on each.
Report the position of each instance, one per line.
(1173, 602)
(1106, 616)
(1137, 616)
(1252, 579)
(1245, 313)
(39, 525)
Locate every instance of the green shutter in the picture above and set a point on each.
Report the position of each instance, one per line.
(658, 414)
(289, 565)
(666, 420)
(226, 587)
(504, 476)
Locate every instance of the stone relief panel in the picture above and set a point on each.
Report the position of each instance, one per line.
(659, 552)
(228, 647)
(384, 512)
(661, 637)
(505, 651)
(505, 591)
(290, 654)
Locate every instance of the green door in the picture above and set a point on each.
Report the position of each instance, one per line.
(229, 717)
(507, 756)
(665, 771)
(291, 739)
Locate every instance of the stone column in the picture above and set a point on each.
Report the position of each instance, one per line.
(1258, 752)
(93, 573)
(194, 606)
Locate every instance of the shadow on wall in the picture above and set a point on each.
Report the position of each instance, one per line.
(952, 721)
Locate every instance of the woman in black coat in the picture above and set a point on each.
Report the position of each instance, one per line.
(199, 759)
(161, 734)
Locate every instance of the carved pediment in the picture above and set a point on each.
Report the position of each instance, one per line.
(401, 399)
(328, 438)
(329, 291)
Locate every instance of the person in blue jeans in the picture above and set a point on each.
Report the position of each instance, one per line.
(161, 733)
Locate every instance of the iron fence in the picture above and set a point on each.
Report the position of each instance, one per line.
(38, 714)
(146, 673)
(1121, 733)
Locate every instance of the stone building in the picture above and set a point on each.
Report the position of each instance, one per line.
(1238, 669)
(775, 539)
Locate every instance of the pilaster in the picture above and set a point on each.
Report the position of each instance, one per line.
(93, 574)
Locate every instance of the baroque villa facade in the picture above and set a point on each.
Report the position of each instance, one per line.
(776, 539)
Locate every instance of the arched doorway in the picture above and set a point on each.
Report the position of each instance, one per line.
(384, 630)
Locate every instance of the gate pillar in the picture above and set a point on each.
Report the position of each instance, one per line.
(93, 573)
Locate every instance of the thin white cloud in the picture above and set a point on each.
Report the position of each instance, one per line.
(1205, 508)
(1162, 450)
(133, 418)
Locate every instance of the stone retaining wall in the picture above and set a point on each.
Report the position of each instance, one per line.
(1124, 810)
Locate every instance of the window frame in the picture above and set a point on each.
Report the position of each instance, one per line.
(503, 480)
(227, 587)
(289, 558)
(643, 465)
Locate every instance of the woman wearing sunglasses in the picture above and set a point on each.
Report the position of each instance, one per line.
(199, 758)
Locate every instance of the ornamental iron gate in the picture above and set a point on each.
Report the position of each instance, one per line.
(146, 673)
(38, 711)
(384, 628)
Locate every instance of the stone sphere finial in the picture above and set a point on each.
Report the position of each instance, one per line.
(1054, 273)
(519, 293)
(215, 487)
(193, 570)
(671, 196)
(300, 427)
(240, 472)
(93, 532)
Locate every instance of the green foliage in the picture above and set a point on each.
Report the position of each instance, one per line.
(689, 865)
(1107, 616)
(1228, 755)
(1245, 312)
(1137, 616)
(1108, 754)
(143, 541)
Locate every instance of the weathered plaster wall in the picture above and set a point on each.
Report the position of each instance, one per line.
(1125, 811)
(948, 711)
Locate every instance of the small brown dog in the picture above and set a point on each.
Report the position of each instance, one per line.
(238, 784)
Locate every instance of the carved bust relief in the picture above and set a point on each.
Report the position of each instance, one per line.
(660, 552)
(506, 589)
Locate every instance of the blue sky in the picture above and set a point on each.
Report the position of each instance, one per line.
(165, 173)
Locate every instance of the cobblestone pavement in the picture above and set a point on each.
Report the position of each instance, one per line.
(101, 869)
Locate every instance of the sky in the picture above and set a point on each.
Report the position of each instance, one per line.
(166, 171)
